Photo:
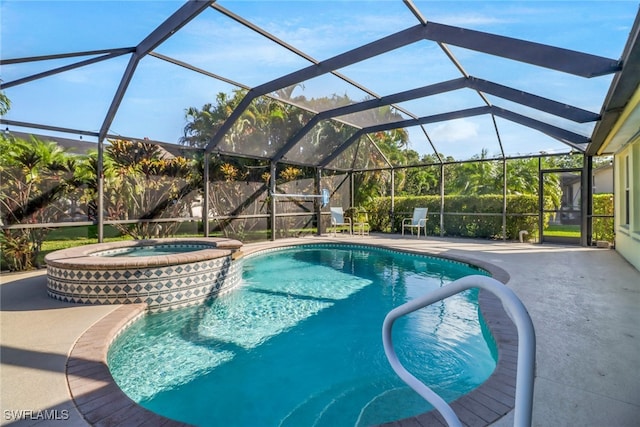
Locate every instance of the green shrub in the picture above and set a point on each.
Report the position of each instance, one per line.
(19, 249)
(603, 227)
(487, 225)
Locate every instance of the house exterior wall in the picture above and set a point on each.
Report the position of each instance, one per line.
(627, 201)
(603, 180)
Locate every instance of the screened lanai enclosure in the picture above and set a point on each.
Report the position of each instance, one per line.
(155, 119)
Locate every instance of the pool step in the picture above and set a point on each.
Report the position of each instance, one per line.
(312, 412)
(377, 410)
(362, 403)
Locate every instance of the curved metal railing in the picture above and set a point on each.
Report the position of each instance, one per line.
(526, 345)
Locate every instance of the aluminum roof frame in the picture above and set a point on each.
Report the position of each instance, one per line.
(559, 59)
(577, 63)
(179, 19)
(543, 104)
(570, 138)
(106, 54)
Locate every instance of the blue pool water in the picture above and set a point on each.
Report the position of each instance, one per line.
(299, 344)
(151, 250)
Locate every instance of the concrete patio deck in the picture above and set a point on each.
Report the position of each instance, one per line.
(584, 302)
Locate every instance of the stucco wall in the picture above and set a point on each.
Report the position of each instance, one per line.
(628, 235)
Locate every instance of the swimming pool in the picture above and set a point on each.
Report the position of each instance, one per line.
(299, 343)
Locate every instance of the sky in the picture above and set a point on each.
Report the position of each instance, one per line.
(155, 103)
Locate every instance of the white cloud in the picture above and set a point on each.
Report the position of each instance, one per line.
(471, 19)
(454, 131)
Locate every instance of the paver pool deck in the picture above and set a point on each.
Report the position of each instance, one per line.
(584, 302)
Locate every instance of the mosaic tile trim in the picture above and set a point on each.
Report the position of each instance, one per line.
(87, 257)
(161, 288)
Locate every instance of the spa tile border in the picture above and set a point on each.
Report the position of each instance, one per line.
(88, 275)
(161, 288)
(80, 257)
(102, 403)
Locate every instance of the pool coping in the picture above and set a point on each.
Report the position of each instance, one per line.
(81, 256)
(101, 402)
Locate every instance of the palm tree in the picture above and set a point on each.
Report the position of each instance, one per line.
(421, 181)
(476, 178)
(202, 124)
(5, 104)
(36, 177)
(522, 176)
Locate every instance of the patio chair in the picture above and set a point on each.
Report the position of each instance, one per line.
(419, 220)
(339, 220)
(361, 222)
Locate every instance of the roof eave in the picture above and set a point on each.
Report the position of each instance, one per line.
(622, 89)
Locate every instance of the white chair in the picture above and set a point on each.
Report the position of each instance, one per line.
(419, 220)
(338, 219)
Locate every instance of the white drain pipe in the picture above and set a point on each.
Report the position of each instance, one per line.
(521, 235)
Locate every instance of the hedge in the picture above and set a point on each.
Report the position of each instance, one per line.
(479, 226)
(603, 227)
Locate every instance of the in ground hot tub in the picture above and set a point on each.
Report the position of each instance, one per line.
(163, 273)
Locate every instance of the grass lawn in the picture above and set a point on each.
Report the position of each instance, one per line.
(562, 230)
(67, 237)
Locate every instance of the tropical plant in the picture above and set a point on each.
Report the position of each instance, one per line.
(371, 185)
(36, 177)
(5, 104)
(238, 186)
(567, 161)
(261, 128)
(421, 181)
(479, 177)
(267, 124)
(203, 123)
(290, 173)
(144, 182)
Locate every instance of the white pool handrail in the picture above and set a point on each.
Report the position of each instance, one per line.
(324, 196)
(526, 345)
